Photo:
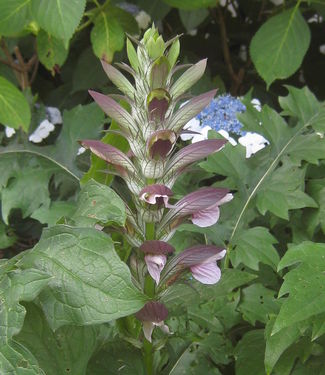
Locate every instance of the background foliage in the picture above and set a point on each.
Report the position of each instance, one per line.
(266, 315)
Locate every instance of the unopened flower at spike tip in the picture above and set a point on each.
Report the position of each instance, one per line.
(153, 314)
(156, 256)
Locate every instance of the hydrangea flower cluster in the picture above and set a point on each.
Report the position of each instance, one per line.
(152, 125)
(221, 114)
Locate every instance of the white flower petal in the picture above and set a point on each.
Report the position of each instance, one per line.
(54, 115)
(42, 131)
(9, 132)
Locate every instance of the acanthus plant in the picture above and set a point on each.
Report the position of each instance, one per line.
(152, 125)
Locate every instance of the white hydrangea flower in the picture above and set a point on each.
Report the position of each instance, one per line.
(81, 150)
(9, 131)
(42, 131)
(253, 142)
(256, 104)
(143, 19)
(322, 49)
(54, 115)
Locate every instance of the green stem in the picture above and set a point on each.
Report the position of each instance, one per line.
(148, 356)
(227, 259)
(149, 289)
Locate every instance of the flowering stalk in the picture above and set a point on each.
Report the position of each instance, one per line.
(152, 126)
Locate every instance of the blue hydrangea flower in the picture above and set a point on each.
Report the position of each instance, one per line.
(221, 114)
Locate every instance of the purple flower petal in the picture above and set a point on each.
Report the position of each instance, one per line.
(194, 152)
(109, 153)
(115, 111)
(207, 217)
(160, 144)
(156, 247)
(152, 311)
(155, 264)
(200, 254)
(155, 194)
(147, 330)
(207, 273)
(190, 110)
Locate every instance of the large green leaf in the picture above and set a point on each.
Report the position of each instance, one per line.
(67, 350)
(51, 50)
(258, 303)
(253, 246)
(14, 15)
(249, 353)
(107, 37)
(278, 343)
(14, 109)
(304, 284)
(99, 203)
(59, 18)
(88, 72)
(57, 209)
(90, 284)
(279, 46)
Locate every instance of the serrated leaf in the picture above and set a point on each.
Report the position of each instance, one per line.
(90, 284)
(258, 303)
(249, 353)
(59, 18)
(14, 15)
(107, 37)
(279, 46)
(19, 192)
(282, 194)
(277, 344)
(183, 295)
(51, 51)
(66, 350)
(14, 109)
(303, 105)
(50, 215)
(254, 246)
(99, 203)
(304, 284)
(258, 176)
